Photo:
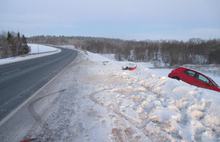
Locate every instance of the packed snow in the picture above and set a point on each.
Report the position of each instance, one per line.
(36, 51)
(37, 48)
(94, 100)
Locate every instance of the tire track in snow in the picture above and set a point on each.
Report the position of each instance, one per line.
(37, 117)
(121, 136)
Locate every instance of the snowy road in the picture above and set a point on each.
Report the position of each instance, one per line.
(20, 80)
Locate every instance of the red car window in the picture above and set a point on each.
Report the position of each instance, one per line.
(190, 73)
(203, 78)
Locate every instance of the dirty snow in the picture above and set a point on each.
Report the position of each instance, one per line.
(36, 51)
(97, 102)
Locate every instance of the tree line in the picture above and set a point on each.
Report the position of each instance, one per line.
(160, 52)
(13, 44)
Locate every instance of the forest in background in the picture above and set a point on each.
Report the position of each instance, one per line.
(12, 44)
(160, 52)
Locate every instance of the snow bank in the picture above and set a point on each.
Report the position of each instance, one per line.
(36, 51)
(160, 108)
(110, 56)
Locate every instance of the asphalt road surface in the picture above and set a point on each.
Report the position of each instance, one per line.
(18, 81)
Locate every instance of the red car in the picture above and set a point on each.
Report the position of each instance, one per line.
(130, 66)
(194, 78)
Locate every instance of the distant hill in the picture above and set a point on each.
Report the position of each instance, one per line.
(161, 52)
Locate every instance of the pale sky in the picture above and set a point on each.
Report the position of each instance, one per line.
(126, 19)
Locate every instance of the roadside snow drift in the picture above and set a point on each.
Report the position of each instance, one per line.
(95, 100)
(36, 50)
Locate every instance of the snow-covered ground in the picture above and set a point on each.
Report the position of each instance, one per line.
(37, 48)
(94, 100)
(36, 51)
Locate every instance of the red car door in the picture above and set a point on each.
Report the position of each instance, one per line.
(203, 81)
(189, 77)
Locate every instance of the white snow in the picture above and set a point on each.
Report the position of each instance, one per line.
(37, 48)
(36, 51)
(110, 56)
(102, 102)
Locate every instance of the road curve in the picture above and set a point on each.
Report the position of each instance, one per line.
(18, 81)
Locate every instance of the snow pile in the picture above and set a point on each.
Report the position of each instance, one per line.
(154, 106)
(36, 51)
(110, 56)
(100, 102)
(96, 57)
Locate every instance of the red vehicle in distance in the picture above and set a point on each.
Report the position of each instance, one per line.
(194, 78)
(130, 67)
